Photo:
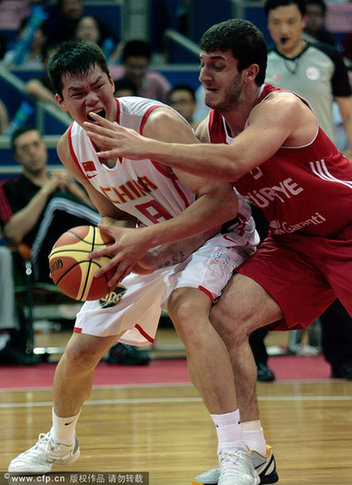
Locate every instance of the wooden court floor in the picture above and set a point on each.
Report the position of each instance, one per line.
(166, 431)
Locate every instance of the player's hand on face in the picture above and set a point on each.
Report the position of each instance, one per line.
(115, 140)
(129, 247)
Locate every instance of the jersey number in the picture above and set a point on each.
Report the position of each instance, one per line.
(153, 211)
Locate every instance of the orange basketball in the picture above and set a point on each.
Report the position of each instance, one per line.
(70, 268)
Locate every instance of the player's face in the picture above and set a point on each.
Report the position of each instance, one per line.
(286, 25)
(221, 80)
(82, 94)
(30, 152)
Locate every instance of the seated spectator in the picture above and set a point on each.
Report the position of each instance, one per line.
(183, 99)
(40, 88)
(40, 205)
(62, 22)
(4, 118)
(93, 29)
(30, 55)
(136, 57)
(124, 87)
(314, 30)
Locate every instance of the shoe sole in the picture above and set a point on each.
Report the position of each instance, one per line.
(272, 478)
(72, 458)
(67, 461)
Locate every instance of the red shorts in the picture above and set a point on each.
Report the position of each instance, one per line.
(304, 274)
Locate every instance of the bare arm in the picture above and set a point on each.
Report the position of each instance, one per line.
(25, 219)
(36, 89)
(345, 106)
(4, 118)
(280, 119)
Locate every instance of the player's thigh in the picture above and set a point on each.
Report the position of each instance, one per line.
(244, 306)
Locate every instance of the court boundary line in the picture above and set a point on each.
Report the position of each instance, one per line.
(161, 400)
(154, 384)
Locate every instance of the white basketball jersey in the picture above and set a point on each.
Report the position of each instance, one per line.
(141, 188)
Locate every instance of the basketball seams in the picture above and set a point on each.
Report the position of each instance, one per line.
(83, 295)
(72, 268)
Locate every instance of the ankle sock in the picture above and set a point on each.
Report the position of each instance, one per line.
(63, 429)
(229, 432)
(253, 436)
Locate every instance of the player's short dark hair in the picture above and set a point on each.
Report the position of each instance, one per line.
(74, 57)
(245, 41)
(136, 48)
(273, 4)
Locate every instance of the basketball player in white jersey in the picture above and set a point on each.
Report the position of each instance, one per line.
(166, 206)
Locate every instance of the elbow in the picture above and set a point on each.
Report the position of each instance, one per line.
(12, 236)
(230, 173)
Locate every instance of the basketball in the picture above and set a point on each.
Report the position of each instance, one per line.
(70, 268)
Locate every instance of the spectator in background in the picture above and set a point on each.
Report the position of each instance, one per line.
(183, 99)
(40, 205)
(33, 57)
(125, 87)
(62, 22)
(93, 29)
(40, 88)
(136, 56)
(4, 118)
(314, 29)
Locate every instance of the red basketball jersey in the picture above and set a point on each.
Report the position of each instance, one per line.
(306, 189)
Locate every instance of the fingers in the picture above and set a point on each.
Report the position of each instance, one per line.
(102, 121)
(121, 272)
(99, 253)
(106, 267)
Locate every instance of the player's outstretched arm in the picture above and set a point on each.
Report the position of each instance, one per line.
(271, 124)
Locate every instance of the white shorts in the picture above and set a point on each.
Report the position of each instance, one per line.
(134, 307)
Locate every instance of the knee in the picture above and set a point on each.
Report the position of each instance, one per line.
(189, 315)
(81, 355)
(180, 308)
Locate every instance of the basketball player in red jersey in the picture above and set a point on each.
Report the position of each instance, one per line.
(268, 143)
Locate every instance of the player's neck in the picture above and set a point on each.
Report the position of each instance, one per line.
(236, 119)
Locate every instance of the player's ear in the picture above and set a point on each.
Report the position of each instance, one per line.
(250, 73)
(60, 101)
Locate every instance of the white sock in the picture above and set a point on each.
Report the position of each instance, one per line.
(253, 436)
(63, 429)
(228, 429)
